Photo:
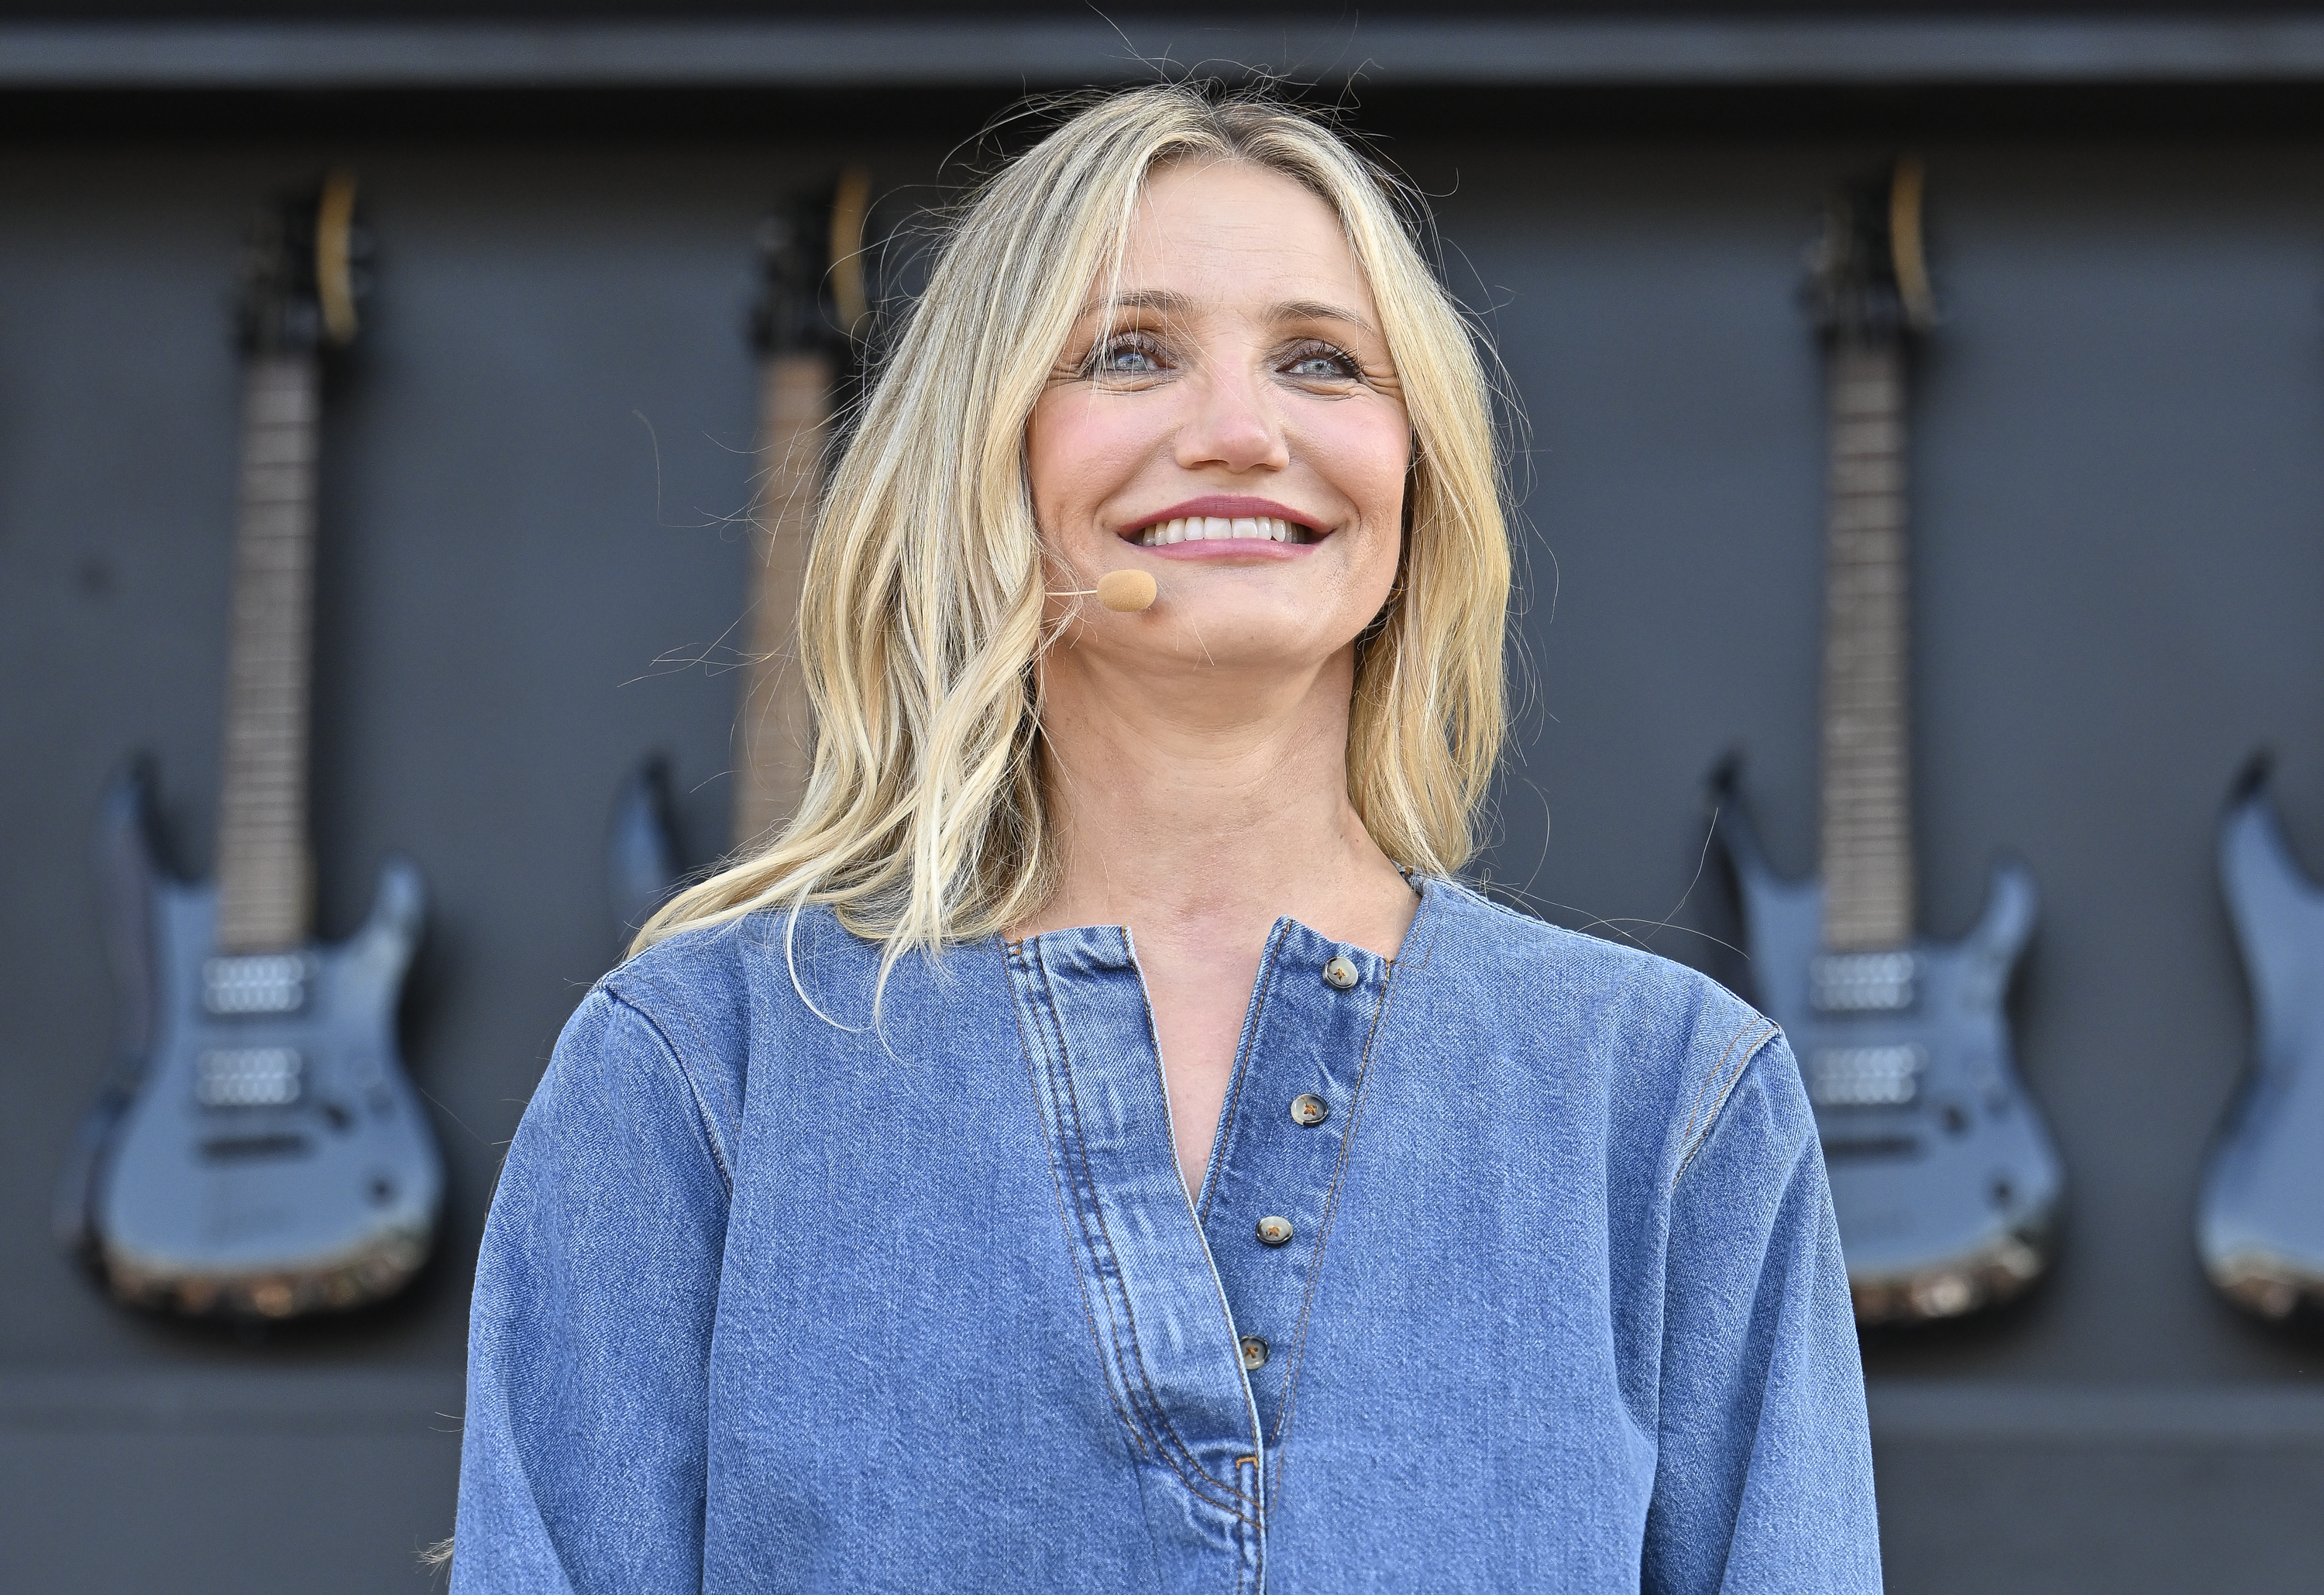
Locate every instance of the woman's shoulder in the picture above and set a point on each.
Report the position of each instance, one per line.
(701, 990)
(1532, 956)
(1651, 1022)
(713, 979)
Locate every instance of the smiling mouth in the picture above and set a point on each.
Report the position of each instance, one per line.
(1219, 529)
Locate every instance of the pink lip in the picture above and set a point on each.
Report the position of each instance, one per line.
(1228, 506)
(1243, 549)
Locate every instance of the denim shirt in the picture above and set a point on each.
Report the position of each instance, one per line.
(1514, 1268)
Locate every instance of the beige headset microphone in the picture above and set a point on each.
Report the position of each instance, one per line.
(1124, 592)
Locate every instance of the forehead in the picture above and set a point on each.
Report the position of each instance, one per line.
(1229, 232)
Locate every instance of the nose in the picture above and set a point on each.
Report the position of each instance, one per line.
(1234, 424)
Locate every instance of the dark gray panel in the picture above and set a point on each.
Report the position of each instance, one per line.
(2034, 1518)
(223, 1513)
(1002, 48)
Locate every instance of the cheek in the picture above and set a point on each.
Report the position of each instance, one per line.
(1365, 453)
(1369, 463)
(1076, 455)
(1047, 460)
(1385, 471)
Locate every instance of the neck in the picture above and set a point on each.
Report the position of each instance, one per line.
(1198, 811)
(262, 870)
(1866, 842)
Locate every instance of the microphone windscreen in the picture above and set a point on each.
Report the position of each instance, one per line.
(1126, 592)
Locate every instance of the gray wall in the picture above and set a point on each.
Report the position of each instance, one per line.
(531, 578)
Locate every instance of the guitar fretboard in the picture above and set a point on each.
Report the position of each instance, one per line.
(1867, 825)
(775, 733)
(266, 892)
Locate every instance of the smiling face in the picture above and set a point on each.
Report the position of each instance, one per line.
(1225, 417)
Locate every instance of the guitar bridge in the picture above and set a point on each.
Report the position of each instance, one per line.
(1865, 1076)
(1864, 982)
(248, 1077)
(264, 983)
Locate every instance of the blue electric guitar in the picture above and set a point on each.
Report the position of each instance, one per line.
(2260, 1218)
(1943, 1175)
(259, 1152)
(813, 307)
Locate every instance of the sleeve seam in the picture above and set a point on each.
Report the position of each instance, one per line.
(1747, 1044)
(694, 1089)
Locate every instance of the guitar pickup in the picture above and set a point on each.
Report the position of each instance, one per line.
(249, 1077)
(1865, 1076)
(265, 982)
(1864, 982)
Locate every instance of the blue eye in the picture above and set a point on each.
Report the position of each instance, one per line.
(1324, 365)
(1125, 359)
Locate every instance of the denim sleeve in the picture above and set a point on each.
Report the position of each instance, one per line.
(1764, 1482)
(582, 1462)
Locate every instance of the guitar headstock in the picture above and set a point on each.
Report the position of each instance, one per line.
(301, 273)
(815, 297)
(1869, 277)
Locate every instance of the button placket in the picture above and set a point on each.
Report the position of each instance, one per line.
(1149, 1289)
(1280, 1146)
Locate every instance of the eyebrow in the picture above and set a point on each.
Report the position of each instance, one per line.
(1139, 299)
(1317, 311)
(1170, 303)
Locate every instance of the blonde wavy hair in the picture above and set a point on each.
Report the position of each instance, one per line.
(921, 621)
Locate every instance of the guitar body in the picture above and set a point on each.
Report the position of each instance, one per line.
(1943, 1175)
(2260, 1216)
(265, 1153)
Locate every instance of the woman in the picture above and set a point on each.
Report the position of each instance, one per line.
(1097, 1146)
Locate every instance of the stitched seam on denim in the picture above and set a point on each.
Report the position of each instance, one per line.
(1136, 1355)
(1160, 1426)
(1758, 1045)
(1016, 960)
(1711, 1078)
(1261, 990)
(693, 1092)
(1748, 1049)
(1081, 1208)
(1331, 1201)
(677, 1010)
(1243, 1530)
(1242, 1550)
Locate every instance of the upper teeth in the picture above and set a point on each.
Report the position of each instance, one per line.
(1194, 529)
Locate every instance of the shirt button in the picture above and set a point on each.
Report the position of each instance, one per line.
(1340, 973)
(1310, 1109)
(1254, 1352)
(1273, 1230)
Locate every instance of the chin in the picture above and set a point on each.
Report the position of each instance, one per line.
(1255, 637)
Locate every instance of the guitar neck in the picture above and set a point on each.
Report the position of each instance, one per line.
(1866, 842)
(264, 873)
(774, 731)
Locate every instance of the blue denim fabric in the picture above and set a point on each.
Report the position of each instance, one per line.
(768, 1302)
